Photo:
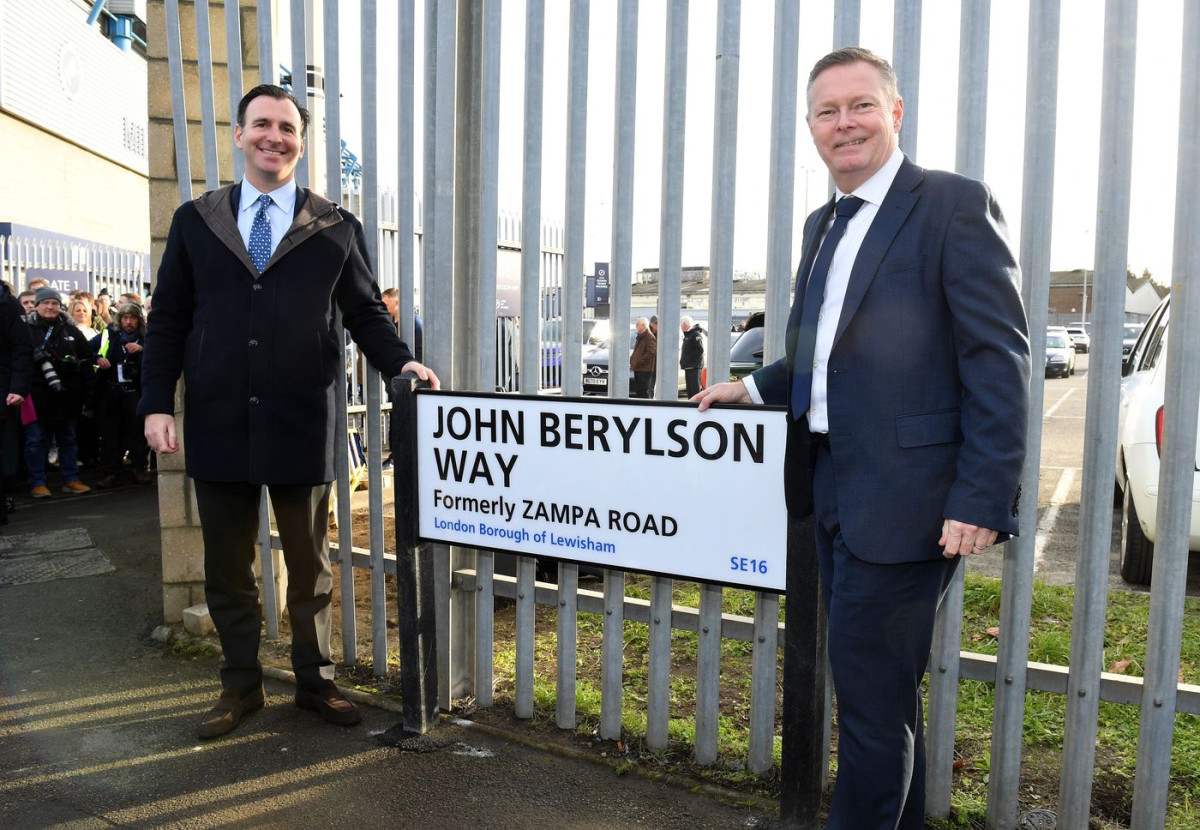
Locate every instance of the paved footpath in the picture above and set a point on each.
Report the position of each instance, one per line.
(97, 720)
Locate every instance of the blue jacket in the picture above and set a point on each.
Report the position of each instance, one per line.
(928, 377)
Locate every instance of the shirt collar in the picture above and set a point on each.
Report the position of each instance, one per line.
(874, 189)
(284, 196)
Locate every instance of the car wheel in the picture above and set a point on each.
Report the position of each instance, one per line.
(1137, 552)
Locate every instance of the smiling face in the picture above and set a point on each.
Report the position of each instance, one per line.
(854, 123)
(80, 313)
(271, 142)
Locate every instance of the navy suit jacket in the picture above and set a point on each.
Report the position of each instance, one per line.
(928, 381)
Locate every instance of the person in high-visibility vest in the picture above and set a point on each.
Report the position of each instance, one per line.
(118, 387)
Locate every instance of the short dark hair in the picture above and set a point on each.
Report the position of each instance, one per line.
(856, 54)
(279, 94)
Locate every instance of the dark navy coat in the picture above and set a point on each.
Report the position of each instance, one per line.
(258, 353)
(928, 382)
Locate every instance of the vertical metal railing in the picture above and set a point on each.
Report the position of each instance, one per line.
(457, 272)
(1036, 221)
(1178, 471)
(1103, 404)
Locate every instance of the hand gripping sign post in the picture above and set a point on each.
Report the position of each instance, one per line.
(652, 487)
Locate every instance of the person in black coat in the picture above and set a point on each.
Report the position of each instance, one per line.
(60, 383)
(118, 388)
(691, 354)
(244, 309)
(15, 365)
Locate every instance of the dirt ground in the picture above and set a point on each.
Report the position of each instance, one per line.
(1112, 795)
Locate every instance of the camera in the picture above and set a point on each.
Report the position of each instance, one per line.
(47, 366)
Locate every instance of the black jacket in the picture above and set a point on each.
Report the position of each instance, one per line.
(66, 349)
(15, 348)
(259, 354)
(691, 353)
(125, 367)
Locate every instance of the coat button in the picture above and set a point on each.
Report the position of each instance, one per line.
(254, 399)
(258, 286)
(253, 343)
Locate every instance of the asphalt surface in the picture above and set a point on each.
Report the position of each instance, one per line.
(97, 719)
(1060, 491)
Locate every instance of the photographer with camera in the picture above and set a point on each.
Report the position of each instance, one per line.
(118, 387)
(61, 377)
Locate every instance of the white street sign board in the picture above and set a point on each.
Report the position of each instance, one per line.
(653, 487)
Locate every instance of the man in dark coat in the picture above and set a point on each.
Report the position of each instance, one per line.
(244, 310)
(691, 353)
(906, 377)
(15, 365)
(60, 381)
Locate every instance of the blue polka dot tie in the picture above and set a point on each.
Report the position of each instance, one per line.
(260, 235)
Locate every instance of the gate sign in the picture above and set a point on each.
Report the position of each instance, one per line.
(653, 487)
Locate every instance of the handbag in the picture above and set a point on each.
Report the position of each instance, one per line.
(28, 413)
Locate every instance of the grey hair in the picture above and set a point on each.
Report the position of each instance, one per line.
(856, 54)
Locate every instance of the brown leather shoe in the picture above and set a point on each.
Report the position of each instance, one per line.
(329, 701)
(230, 709)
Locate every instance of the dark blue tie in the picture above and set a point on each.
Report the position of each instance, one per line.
(260, 235)
(814, 295)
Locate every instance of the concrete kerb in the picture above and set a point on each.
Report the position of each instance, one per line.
(174, 634)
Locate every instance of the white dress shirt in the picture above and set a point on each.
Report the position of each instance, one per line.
(872, 192)
(280, 212)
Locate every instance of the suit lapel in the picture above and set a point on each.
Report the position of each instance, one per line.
(312, 213)
(896, 207)
(812, 240)
(218, 209)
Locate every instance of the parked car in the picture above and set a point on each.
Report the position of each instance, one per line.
(595, 369)
(552, 346)
(1060, 355)
(1080, 337)
(1139, 448)
(1129, 338)
(746, 354)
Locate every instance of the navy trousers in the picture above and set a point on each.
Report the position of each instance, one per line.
(880, 631)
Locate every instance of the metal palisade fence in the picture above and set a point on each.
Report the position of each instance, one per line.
(120, 270)
(451, 258)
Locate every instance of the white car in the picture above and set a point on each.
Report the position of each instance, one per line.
(1139, 447)
(1060, 354)
(1080, 337)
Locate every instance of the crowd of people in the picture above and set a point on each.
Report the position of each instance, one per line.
(70, 373)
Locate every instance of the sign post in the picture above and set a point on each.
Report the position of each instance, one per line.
(416, 617)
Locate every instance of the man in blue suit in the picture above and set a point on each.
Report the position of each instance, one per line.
(906, 376)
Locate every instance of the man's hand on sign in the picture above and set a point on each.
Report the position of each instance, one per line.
(721, 393)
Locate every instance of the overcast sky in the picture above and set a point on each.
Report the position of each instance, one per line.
(1081, 47)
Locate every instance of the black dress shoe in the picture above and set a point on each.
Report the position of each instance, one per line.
(329, 701)
(230, 709)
